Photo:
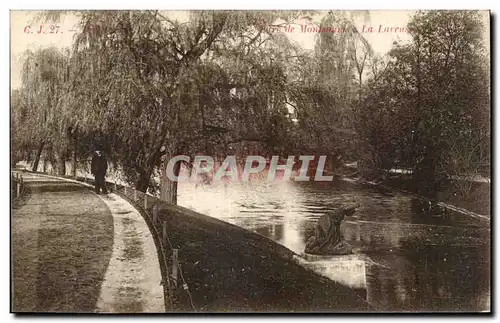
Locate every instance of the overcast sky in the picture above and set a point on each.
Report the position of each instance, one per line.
(20, 41)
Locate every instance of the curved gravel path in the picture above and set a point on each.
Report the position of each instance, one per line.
(75, 251)
(132, 281)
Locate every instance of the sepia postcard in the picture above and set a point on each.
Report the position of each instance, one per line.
(250, 161)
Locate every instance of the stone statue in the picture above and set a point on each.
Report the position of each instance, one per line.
(327, 239)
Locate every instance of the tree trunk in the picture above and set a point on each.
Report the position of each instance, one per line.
(73, 168)
(143, 181)
(425, 176)
(61, 164)
(331, 165)
(37, 157)
(168, 191)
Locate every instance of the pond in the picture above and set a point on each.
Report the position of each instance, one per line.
(409, 257)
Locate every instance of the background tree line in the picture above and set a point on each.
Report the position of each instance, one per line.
(429, 110)
(149, 87)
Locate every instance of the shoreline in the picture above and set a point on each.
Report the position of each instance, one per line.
(477, 204)
(230, 269)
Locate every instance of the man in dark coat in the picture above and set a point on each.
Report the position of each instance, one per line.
(98, 169)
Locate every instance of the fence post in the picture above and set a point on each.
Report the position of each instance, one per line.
(164, 236)
(135, 194)
(18, 189)
(175, 265)
(155, 213)
(115, 185)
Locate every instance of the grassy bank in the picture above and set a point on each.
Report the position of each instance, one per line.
(469, 195)
(477, 199)
(230, 269)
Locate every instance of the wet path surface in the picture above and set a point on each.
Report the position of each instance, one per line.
(132, 283)
(66, 249)
(409, 257)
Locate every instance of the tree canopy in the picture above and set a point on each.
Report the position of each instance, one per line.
(150, 86)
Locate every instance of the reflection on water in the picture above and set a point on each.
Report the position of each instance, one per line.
(415, 257)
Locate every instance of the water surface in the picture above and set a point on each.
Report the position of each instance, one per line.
(413, 258)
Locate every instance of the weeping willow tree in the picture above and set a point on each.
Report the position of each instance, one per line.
(339, 63)
(131, 74)
(19, 134)
(156, 86)
(40, 117)
(323, 96)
